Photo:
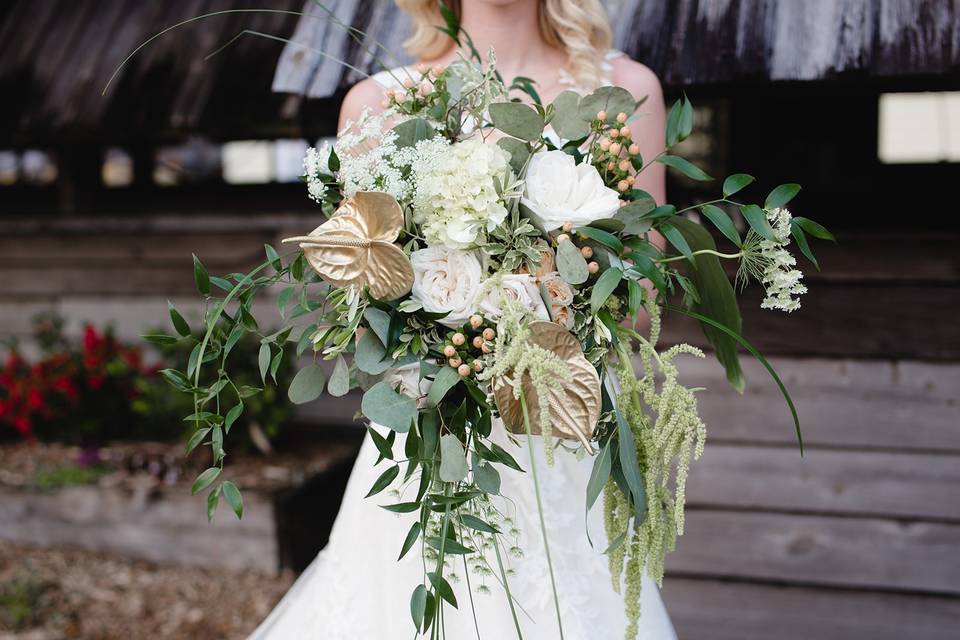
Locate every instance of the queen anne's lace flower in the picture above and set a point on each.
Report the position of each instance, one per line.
(315, 163)
(457, 199)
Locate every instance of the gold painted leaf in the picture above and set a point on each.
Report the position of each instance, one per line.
(574, 409)
(355, 247)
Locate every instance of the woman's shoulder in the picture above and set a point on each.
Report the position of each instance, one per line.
(635, 77)
(368, 93)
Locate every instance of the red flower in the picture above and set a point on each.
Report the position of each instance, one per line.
(35, 400)
(95, 382)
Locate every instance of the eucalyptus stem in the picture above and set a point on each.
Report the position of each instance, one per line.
(543, 524)
(701, 252)
(473, 608)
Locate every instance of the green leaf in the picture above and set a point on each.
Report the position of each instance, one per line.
(518, 150)
(273, 257)
(177, 379)
(453, 460)
(234, 499)
(475, 523)
(516, 119)
(449, 546)
(599, 474)
(610, 225)
(160, 339)
(197, 438)
(384, 406)
(339, 383)
(204, 480)
(379, 321)
(446, 379)
(721, 221)
(571, 264)
(504, 457)
(606, 239)
(307, 385)
(412, 536)
(634, 297)
(283, 300)
(633, 214)
(813, 228)
(401, 507)
(717, 299)
(673, 123)
(443, 588)
(418, 604)
(486, 477)
(801, 239)
(384, 480)
(757, 219)
(381, 443)
(412, 131)
(782, 195)
(263, 359)
(370, 356)
(613, 100)
(567, 121)
(232, 416)
(736, 183)
(200, 276)
(605, 285)
(646, 267)
(756, 354)
(686, 167)
(627, 448)
(213, 501)
(686, 119)
(676, 238)
(178, 322)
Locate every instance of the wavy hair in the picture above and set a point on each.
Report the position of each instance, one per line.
(579, 27)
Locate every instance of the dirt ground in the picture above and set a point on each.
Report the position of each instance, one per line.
(54, 593)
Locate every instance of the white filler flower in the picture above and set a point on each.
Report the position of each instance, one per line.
(558, 190)
(457, 198)
(446, 281)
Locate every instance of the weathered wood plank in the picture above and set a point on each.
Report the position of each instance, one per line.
(815, 550)
(712, 610)
(844, 482)
(895, 405)
(137, 523)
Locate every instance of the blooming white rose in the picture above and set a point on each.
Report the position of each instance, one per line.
(446, 280)
(409, 381)
(559, 190)
(516, 287)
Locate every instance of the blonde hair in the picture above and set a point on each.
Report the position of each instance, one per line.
(579, 27)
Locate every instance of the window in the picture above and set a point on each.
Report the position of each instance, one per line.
(919, 127)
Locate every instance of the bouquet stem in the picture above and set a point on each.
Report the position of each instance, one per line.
(543, 525)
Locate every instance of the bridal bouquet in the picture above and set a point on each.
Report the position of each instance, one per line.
(483, 266)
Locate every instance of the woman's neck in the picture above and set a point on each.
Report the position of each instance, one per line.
(512, 30)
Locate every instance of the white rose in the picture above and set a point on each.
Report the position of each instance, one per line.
(408, 379)
(559, 190)
(446, 281)
(518, 287)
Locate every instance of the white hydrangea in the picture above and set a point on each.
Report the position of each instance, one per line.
(316, 162)
(780, 279)
(457, 197)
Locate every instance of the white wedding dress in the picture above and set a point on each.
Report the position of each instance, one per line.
(356, 589)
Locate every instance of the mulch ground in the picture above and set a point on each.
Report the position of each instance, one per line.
(54, 593)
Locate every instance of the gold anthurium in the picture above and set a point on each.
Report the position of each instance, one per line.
(574, 408)
(355, 247)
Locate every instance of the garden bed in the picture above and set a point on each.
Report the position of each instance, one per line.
(48, 594)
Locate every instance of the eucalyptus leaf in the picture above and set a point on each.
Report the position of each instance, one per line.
(370, 355)
(517, 120)
(486, 477)
(567, 121)
(339, 383)
(518, 150)
(379, 321)
(307, 385)
(453, 459)
(263, 359)
(418, 604)
(571, 264)
(204, 480)
(412, 536)
(412, 131)
(384, 406)
(613, 100)
(445, 380)
(599, 475)
(384, 480)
